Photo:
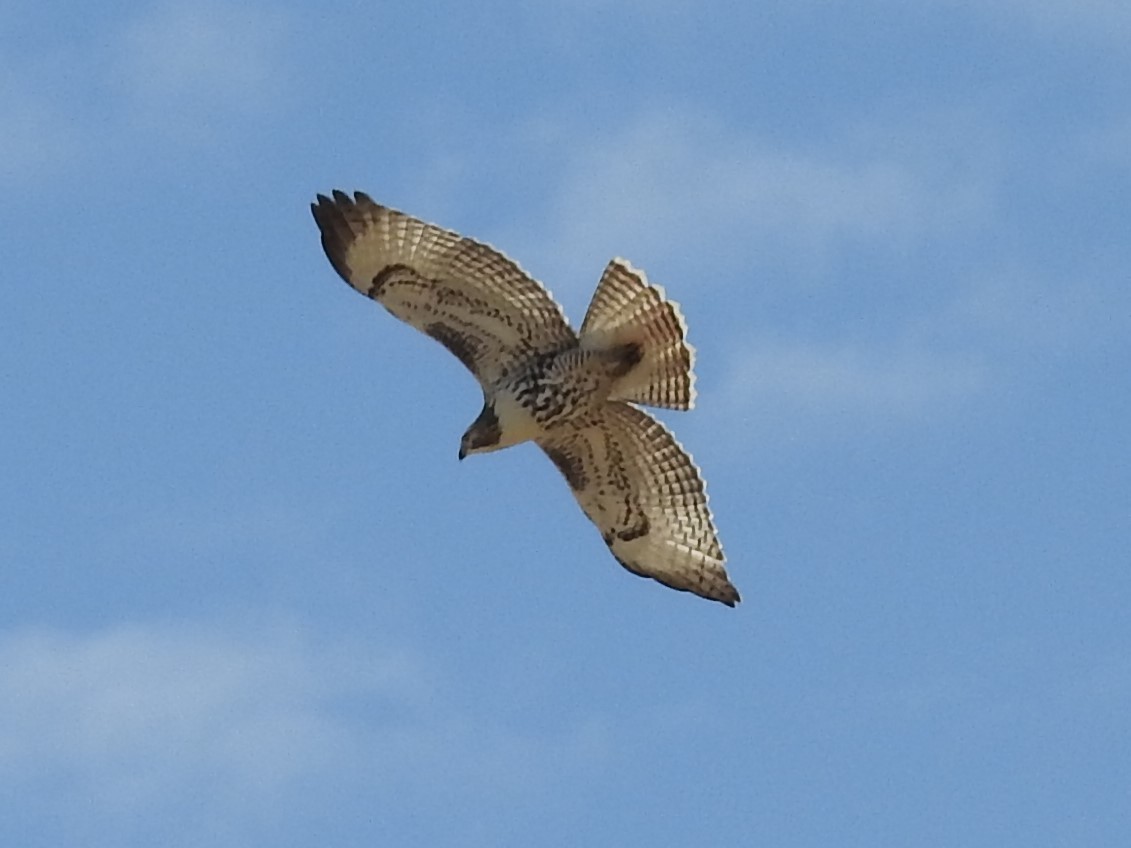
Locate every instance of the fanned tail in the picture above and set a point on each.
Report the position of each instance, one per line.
(628, 313)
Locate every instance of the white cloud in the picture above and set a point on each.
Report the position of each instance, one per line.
(689, 199)
(1047, 316)
(1109, 146)
(797, 384)
(1107, 19)
(677, 183)
(224, 726)
(188, 66)
(999, 325)
(35, 137)
(137, 710)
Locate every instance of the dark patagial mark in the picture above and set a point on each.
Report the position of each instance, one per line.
(463, 347)
(570, 466)
(384, 275)
(639, 529)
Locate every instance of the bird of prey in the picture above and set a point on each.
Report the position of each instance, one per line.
(574, 394)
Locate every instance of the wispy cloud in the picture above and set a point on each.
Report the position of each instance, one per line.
(798, 385)
(137, 723)
(1107, 19)
(189, 66)
(138, 709)
(188, 69)
(666, 183)
(1031, 317)
(1109, 146)
(35, 136)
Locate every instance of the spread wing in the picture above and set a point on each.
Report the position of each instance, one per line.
(644, 493)
(469, 297)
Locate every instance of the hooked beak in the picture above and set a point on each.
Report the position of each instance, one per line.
(462, 453)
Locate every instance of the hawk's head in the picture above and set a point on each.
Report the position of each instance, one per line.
(483, 435)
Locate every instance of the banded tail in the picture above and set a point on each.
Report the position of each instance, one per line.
(627, 311)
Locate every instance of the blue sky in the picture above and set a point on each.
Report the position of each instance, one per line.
(249, 597)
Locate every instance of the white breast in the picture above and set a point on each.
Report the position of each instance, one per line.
(515, 421)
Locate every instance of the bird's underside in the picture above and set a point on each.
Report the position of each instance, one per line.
(571, 393)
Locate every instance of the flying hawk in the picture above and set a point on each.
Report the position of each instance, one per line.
(572, 393)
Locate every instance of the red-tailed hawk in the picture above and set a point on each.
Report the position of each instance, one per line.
(570, 393)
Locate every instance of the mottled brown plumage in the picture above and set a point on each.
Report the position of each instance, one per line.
(571, 393)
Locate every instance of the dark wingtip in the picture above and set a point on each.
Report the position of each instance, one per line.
(320, 203)
(333, 220)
